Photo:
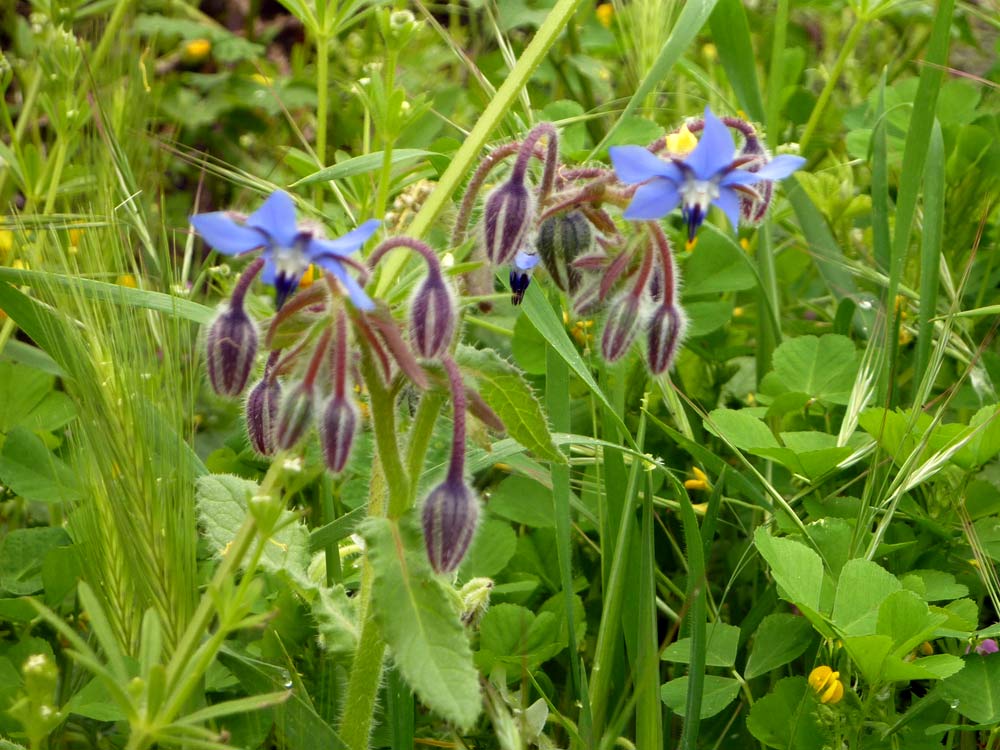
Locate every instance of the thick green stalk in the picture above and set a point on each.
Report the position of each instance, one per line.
(473, 145)
(366, 674)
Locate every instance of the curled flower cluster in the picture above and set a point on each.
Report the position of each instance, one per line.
(564, 223)
(310, 369)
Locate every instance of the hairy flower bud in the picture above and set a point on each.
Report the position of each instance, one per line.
(450, 516)
(432, 316)
(262, 415)
(230, 348)
(666, 332)
(294, 415)
(507, 218)
(561, 239)
(620, 327)
(337, 428)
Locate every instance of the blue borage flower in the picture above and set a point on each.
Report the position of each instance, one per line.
(520, 275)
(288, 248)
(710, 175)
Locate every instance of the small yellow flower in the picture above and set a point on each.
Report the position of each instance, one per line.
(197, 50)
(605, 13)
(74, 237)
(827, 684)
(711, 52)
(689, 245)
(745, 244)
(682, 142)
(700, 481)
(263, 80)
(738, 312)
(926, 648)
(128, 280)
(905, 337)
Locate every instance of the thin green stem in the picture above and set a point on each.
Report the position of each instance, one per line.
(23, 118)
(420, 437)
(853, 37)
(322, 103)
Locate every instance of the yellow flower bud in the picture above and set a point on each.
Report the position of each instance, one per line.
(605, 13)
(197, 50)
(700, 481)
(827, 684)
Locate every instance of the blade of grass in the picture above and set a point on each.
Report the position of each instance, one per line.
(648, 709)
(609, 630)
(731, 35)
(695, 545)
(930, 250)
(557, 389)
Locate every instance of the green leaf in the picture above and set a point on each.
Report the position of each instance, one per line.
(27, 399)
(33, 472)
(336, 620)
(824, 367)
(94, 702)
(869, 653)
(362, 165)
(861, 589)
(721, 642)
(706, 317)
(786, 717)
(742, 429)
(512, 635)
(490, 551)
(937, 586)
(523, 500)
(797, 569)
(906, 618)
(717, 265)
(780, 638)
(222, 501)
(718, 693)
(975, 691)
(22, 554)
(509, 395)
(419, 623)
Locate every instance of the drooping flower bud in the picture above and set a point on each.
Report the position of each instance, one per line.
(337, 428)
(450, 516)
(262, 415)
(294, 415)
(432, 316)
(666, 332)
(507, 218)
(561, 239)
(620, 327)
(230, 348)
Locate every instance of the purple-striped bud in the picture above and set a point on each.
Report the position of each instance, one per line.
(337, 428)
(450, 516)
(432, 316)
(507, 218)
(666, 332)
(561, 239)
(262, 415)
(620, 327)
(230, 349)
(294, 415)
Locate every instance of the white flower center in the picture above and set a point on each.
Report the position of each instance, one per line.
(290, 262)
(699, 194)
